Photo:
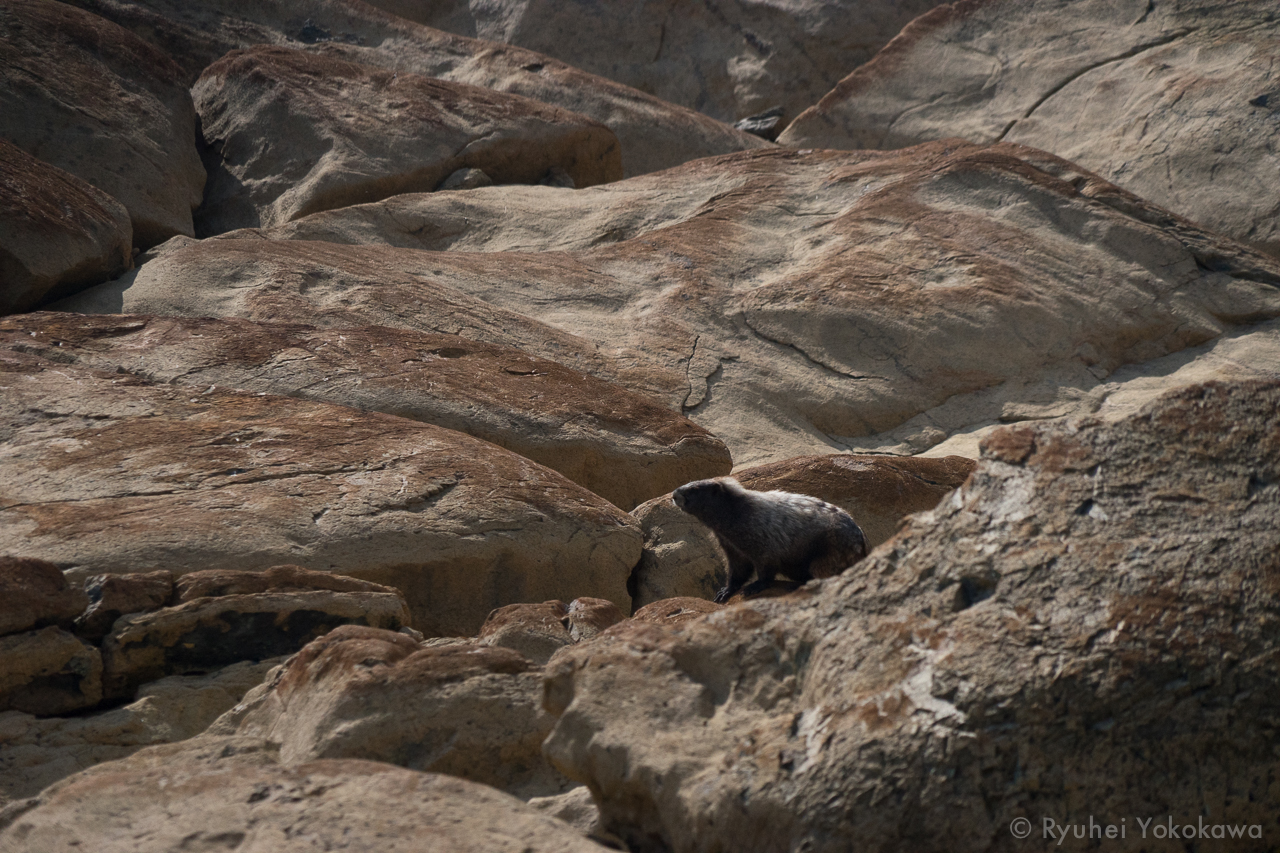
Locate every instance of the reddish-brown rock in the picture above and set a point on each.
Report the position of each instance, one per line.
(58, 234)
(90, 97)
(49, 671)
(295, 132)
(113, 596)
(35, 593)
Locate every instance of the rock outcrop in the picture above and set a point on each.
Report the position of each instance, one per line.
(610, 441)
(107, 474)
(293, 132)
(90, 97)
(1087, 619)
(58, 234)
(1174, 101)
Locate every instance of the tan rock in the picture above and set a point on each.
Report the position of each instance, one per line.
(209, 633)
(113, 596)
(35, 593)
(536, 631)
(195, 480)
(88, 96)
(609, 440)
(1172, 101)
(1091, 605)
(589, 616)
(215, 792)
(682, 557)
(467, 710)
(654, 134)
(357, 134)
(36, 752)
(675, 611)
(58, 234)
(49, 671)
(799, 303)
(218, 582)
(727, 60)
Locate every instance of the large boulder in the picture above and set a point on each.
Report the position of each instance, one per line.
(654, 134)
(683, 559)
(795, 302)
(293, 132)
(217, 792)
(611, 441)
(468, 710)
(727, 59)
(34, 594)
(1175, 101)
(49, 671)
(90, 97)
(105, 473)
(1086, 631)
(58, 234)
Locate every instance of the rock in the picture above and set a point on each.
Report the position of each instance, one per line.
(467, 710)
(219, 582)
(113, 596)
(1175, 102)
(589, 616)
(682, 557)
(878, 287)
(85, 95)
(294, 132)
(654, 134)
(226, 791)
(58, 234)
(577, 809)
(608, 440)
(675, 611)
(209, 633)
(536, 631)
(49, 671)
(766, 125)
(728, 59)
(105, 474)
(35, 593)
(35, 752)
(465, 179)
(1091, 607)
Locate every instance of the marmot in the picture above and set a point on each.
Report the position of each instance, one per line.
(772, 532)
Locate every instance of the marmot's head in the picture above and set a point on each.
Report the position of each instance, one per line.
(706, 499)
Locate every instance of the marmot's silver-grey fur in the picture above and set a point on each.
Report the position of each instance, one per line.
(771, 533)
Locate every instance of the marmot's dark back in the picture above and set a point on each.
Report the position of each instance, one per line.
(772, 533)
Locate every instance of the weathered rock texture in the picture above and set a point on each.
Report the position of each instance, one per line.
(726, 59)
(58, 234)
(654, 134)
(1174, 100)
(49, 671)
(1087, 627)
(226, 791)
(681, 555)
(293, 132)
(113, 596)
(34, 594)
(791, 303)
(104, 473)
(467, 710)
(89, 97)
(36, 752)
(611, 441)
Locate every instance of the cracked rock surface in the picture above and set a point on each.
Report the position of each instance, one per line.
(106, 473)
(1177, 101)
(1087, 627)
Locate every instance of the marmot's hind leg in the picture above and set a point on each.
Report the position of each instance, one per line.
(840, 552)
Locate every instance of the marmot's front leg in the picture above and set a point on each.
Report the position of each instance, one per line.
(740, 570)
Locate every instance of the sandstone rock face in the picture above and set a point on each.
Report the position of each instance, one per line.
(35, 593)
(36, 752)
(89, 97)
(1090, 612)
(728, 59)
(104, 473)
(536, 631)
(654, 134)
(208, 633)
(294, 132)
(675, 611)
(218, 792)
(467, 710)
(113, 596)
(604, 438)
(798, 303)
(1175, 101)
(58, 234)
(220, 582)
(683, 558)
(49, 671)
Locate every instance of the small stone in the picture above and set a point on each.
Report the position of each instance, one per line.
(466, 179)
